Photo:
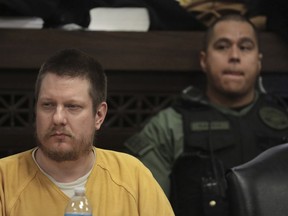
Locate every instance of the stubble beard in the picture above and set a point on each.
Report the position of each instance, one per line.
(80, 147)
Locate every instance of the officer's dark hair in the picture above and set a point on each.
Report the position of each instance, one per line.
(75, 63)
(228, 17)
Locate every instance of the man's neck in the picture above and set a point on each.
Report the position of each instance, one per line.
(231, 101)
(67, 171)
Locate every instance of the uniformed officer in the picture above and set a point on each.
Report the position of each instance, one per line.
(189, 146)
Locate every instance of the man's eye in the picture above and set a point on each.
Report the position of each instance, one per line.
(47, 105)
(73, 106)
(246, 47)
(221, 46)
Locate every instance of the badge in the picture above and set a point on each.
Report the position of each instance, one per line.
(274, 118)
(206, 126)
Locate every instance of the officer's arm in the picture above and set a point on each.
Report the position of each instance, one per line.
(158, 144)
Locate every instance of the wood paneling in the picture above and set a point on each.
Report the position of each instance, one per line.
(133, 51)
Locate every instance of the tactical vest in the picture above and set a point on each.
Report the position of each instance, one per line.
(215, 140)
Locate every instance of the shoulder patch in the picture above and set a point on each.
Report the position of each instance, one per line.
(274, 118)
(137, 146)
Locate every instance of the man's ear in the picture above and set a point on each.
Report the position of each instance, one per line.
(260, 57)
(100, 115)
(203, 64)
